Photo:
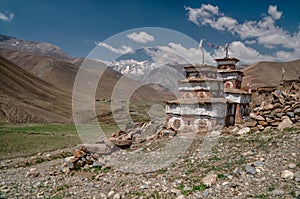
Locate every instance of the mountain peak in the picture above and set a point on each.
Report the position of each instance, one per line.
(38, 48)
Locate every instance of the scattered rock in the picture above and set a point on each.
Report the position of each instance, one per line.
(292, 166)
(33, 172)
(258, 164)
(236, 171)
(243, 131)
(250, 169)
(205, 193)
(286, 174)
(111, 193)
(278, 192)
(64, 169)
(144, 186)
(4, 189)
(117, 196)
(297, 176)
(210, 179)
(48, 156)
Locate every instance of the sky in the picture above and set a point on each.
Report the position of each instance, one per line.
(255, 30)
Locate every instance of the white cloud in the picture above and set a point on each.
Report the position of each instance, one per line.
(263, 31)
(245, 54)
(250, 41)
(176, 53)
(225, 23)
(200, 16)
(140, 37)
(122, 50)
(273, 12)
(6, 16)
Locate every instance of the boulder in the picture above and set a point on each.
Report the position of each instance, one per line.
(286, 122)
(256, 117)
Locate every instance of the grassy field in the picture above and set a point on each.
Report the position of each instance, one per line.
(28, 139)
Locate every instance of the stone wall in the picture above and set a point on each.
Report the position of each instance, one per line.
(276, 108)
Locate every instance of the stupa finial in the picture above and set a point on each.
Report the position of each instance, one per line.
(226, 48)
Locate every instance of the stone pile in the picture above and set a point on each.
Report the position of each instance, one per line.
(134, 136)
(90, 155)
(275, 109)
(137, 134)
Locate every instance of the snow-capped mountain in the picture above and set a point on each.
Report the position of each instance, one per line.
(133, 69)
(150, 73)
(38, 48)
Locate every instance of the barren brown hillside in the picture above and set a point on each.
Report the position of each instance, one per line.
(37, 88)
(269, 73)
(54, 71)
(62, 74)
(26, 98)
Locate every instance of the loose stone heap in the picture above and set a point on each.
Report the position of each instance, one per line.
(134, 136)
(275, 107)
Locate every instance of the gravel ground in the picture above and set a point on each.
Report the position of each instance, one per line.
(252, 165)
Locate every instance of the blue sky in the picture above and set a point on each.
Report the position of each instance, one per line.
(256, 30)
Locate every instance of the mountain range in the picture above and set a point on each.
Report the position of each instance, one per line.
(36, 85)
(37, 79)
